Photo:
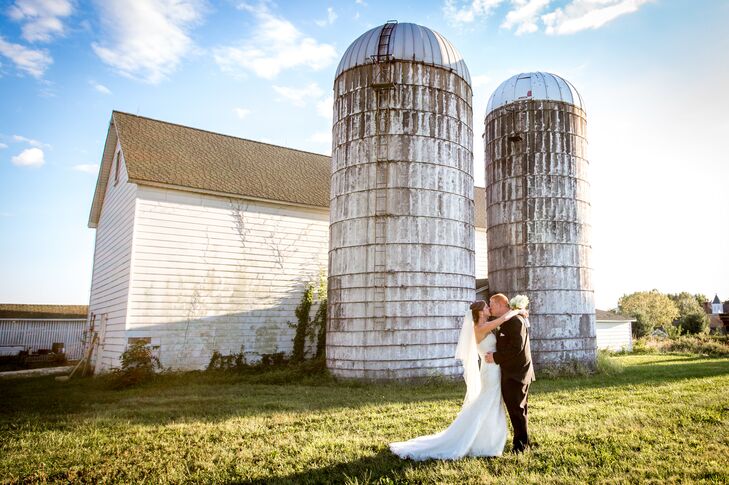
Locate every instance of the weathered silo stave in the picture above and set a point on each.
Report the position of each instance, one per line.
(401, 265)
(538, 212)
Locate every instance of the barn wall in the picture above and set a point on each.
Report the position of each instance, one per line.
(482, 270)
(110, 278)
(211, 273)
(614, 335)
(41, 333)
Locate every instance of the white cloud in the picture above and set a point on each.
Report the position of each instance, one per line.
(42, 19)
(3, 145)
(480, 80)
(7, 214)
(325, 106)
(322, 138)
(524, 15)
(100, 87)
(29, 141)
(274, 45)
(360, 2)
(331, 17)
(147, 39)
(242, 113)
(30, 157)
(588, 14)
(459, 13)
(299, 96)
(31, 61)
(87, 168)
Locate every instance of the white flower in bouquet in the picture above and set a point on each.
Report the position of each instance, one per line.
(519, 302)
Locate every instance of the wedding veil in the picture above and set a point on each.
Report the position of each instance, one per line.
(467, 353)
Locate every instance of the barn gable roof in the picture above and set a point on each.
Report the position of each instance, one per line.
(170, 155)
(24, 311)
(603, 316)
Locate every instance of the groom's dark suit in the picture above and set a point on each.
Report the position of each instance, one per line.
(514, 356)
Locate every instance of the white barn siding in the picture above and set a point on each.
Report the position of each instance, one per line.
(212, 273)
(110, 278)
(481, 253)
(614, 335)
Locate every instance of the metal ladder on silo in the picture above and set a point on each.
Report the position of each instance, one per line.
(382, 83)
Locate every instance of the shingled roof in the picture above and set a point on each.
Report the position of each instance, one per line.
(603, 316)
(42, 311)
(175, 156)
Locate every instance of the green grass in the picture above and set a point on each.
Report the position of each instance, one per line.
(661, 419)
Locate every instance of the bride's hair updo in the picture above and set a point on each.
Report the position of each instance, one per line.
(476, 307)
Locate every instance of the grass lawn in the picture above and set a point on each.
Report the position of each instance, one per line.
(664, 419)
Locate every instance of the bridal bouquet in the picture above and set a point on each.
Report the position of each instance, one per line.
(519, 302)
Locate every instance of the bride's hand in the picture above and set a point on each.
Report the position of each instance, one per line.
(524, 313)
(510, 314)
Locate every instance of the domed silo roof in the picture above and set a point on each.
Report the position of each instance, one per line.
(534, 86)
(408, 42)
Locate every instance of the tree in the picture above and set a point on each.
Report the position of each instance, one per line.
(692, 318)
(651, 308)
(694, 323)
(687, 304)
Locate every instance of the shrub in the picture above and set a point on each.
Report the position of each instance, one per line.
(709, 345)
(694, 323)
(607, 364)
(642, 325)
(703, 345)
(138, 364)
(227, 362)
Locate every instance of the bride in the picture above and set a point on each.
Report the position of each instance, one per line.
(480, 427)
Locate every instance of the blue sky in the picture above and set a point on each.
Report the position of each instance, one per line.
(653, 75)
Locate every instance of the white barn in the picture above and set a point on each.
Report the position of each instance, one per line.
(205, 241)
(614, 331)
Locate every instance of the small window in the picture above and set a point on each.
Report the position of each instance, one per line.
(144, 340)
(117, 163)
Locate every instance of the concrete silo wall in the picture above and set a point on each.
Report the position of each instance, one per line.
(401, 261)
(538, 223)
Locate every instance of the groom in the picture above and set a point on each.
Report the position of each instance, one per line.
(514, 355)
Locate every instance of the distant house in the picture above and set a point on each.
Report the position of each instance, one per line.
(614, 331)
(205, 242)
(718, 315)
(34, 328)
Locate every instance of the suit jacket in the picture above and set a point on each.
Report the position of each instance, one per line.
(513, 352)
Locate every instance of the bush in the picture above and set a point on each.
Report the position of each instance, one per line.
(703, 345)
(709, 345)
(607, 364)
(238, 362)
(138, 364)
(694, 323)
(642, 325)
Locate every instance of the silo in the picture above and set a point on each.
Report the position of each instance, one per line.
(401, 259)
(538, 210)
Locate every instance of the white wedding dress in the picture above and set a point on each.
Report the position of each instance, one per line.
(480, 427)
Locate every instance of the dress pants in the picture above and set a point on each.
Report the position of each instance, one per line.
(515, 395)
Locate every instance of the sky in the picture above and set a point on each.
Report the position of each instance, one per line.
(653, 74)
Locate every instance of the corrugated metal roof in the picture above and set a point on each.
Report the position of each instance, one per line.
(536, 86)
(408, 42)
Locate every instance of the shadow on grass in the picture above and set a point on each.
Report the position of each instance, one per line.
(214, 397)
(384, 465)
